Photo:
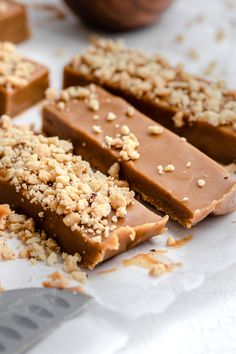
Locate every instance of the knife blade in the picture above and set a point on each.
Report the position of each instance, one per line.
(27, 315)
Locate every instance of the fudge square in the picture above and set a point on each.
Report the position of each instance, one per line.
(22, 81)
(13, 22)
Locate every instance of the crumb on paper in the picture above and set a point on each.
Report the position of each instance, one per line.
(172, 242)
(107, 271)
(6, 252)
(180, 38)
(193, 54)
(220, 35)
(36, 247)
(210, 68)
(56, 280)
(153, 262)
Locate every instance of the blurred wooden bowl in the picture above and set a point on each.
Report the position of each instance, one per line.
(119, 15)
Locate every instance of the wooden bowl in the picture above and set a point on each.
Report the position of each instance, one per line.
(119, 15)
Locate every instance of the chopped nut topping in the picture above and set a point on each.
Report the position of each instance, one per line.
(155, 129)
(169, 168)
(185, 199)
(97, 129)
(153, 79)
(124, 130)
(37, 247)
(160, 169)
(130, 111)
(15, 71)
(93, 104)
(188, 164)
(49, 174)
(114, 170)
(201, 183)
(126, 142)
(111, 116)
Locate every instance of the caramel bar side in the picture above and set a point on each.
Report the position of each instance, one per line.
(166, 170)
(13, 22)
(181, 102)
(85, 211)
(26, 83)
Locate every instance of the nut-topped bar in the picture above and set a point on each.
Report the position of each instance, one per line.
(22, 81)
(166, 170)
(85, 211)
(188, 105)
(13, 21)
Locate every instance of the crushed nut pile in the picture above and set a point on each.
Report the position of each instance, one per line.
(46, 172)
(125, 141)
(15, 71)
(153, 79)
(36, 247)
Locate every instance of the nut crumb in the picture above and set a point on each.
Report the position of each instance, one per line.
(97, 129)
(169, 168)
(170, 241)
(201, 182)
(220, 35)
(111, 116)
(114, 170)
(155, 129)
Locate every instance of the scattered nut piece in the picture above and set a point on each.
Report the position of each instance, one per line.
(130, 111)
(110, 116)
(220, 35)
(169, 168)
(170, 241)
(155, 129)
(201, 183)
(97, 129)
(114, 170)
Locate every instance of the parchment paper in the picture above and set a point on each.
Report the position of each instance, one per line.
(125, 297)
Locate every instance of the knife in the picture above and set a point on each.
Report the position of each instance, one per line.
(27, 315)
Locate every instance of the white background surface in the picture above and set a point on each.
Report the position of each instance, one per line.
(160, 315)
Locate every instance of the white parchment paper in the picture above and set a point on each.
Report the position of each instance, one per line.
(123, 299)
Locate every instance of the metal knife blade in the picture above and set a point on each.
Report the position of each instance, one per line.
(27, 315)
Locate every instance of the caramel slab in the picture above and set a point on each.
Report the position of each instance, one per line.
(13, 22)
(170, 173)
(22, 81)
(26, 193)
(187, 105)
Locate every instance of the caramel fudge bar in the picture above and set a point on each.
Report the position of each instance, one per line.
(165, 169)
(22, 81)
(13, 22)
(85, 211)
(203, 112)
